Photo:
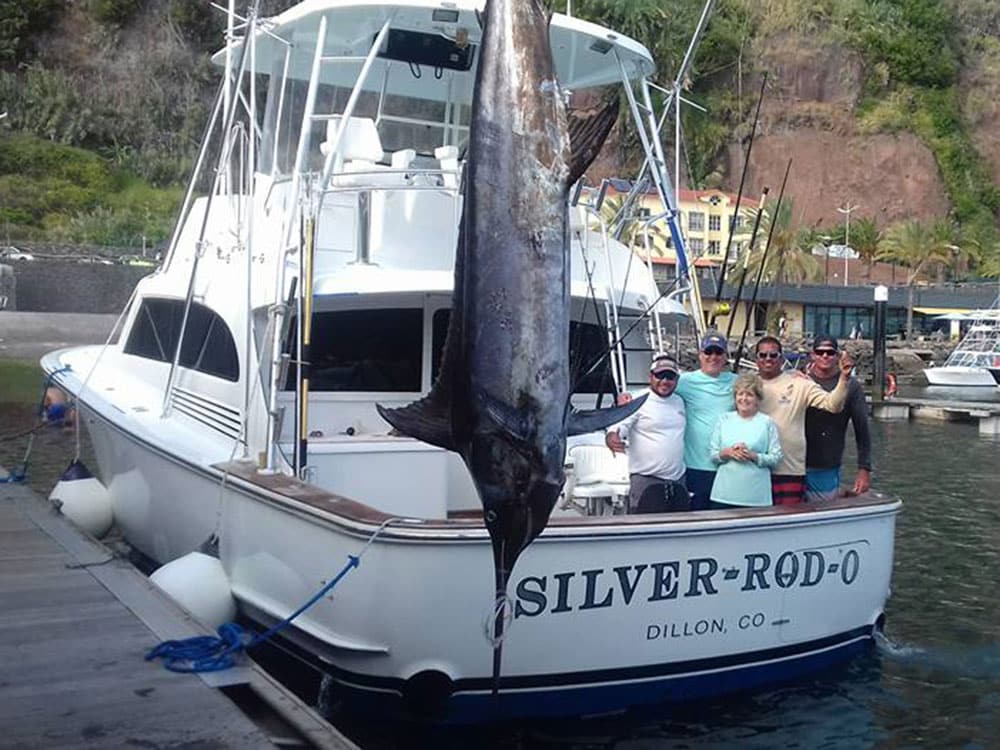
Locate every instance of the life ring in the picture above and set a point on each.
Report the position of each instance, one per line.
(890, 385)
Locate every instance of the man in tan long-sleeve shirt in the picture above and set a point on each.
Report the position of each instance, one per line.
(786, 398)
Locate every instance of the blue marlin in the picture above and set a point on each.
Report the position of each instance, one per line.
(501, 399)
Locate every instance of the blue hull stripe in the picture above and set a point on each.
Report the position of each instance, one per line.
(606, 691)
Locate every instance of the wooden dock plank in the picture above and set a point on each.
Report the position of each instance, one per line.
(72, 672)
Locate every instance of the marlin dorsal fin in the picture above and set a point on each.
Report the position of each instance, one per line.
(586, 138)
(592, 420)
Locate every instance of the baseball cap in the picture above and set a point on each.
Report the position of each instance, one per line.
(824, 339)
(714, 340)
(663, 361)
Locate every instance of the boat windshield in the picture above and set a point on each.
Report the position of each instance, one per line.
(401, 122)
(418, 87)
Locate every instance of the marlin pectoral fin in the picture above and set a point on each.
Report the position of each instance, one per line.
(512, 421)
(427, 420)
(580, 422)
(586, 137)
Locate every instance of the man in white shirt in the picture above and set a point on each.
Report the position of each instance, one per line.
(653, 437)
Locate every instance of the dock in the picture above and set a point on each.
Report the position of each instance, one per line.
(75, 624)
(986, 413)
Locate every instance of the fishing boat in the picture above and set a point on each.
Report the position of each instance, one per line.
(320, 226)
(976, 359)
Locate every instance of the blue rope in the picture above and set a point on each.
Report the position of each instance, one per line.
(19, 475)
(208, 653)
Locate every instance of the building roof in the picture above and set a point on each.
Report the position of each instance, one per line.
(968, 296)
(684, 196)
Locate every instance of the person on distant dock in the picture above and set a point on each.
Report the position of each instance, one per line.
(655, 444)
(786, 398)
(745, 445)
(826, 433)
(707, 395)
(57, 408)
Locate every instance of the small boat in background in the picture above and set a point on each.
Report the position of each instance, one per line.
(976, 359)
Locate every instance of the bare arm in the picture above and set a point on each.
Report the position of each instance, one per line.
(834, 400)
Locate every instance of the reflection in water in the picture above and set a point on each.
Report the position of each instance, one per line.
(933, 681)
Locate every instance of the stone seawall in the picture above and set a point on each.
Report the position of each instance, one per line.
(67, 286)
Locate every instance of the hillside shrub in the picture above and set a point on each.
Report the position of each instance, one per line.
(19, 20)
(54, 192)
(112, 12)
(198, 23)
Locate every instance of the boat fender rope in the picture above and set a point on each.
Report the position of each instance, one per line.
(503, 606)
(208, 653)
(20, 474)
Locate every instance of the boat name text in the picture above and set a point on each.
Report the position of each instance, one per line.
(597, 588)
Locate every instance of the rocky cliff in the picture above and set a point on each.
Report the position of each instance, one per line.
(863, 95)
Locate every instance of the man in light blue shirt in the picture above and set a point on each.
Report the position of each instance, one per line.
(707, 394)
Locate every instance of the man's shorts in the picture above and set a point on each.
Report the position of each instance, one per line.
(822, 484)
(787, 489)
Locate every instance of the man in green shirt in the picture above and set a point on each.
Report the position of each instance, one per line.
(707, 394)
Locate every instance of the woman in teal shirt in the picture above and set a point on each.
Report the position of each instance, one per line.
(745, 445)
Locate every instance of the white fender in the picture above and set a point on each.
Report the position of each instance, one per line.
(199, 584)
(85, 502)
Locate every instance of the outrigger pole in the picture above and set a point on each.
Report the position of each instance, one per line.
(760, 270)
(746, 262)
(736, 211)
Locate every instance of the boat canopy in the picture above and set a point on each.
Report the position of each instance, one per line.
(428, 38)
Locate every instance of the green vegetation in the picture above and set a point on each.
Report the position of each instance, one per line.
(923, 248)
(19, 21)
(113, 12)
(22, 382)
(58, 193)
(912, 51)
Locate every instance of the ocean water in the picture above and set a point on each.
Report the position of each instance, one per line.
(933, 681)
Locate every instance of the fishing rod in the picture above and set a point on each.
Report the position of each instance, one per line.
(739, 199)
(746, 262)
(622, 337)
(760, 271)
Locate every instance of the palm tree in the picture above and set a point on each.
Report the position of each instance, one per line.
(921, 249)
(789, 258)
(865, 237)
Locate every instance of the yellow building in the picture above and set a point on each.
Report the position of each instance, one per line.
(705, 216)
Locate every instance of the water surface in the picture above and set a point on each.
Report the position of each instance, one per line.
(934, 682)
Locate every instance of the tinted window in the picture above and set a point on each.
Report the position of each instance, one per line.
(587, 344)
(208, 344)
(364, 350)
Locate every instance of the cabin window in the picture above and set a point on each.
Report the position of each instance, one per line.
(208, 344)
(587, 343)
(364, 350)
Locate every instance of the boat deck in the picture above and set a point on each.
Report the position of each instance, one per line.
(75, 626)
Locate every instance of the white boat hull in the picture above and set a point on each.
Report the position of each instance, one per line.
(961, 376)
(608, 613)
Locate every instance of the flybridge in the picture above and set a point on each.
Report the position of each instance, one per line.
(425, 33)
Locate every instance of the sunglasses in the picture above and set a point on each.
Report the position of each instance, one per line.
(714, 350)
(825, 352)
(665, 375)
(768, 355)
